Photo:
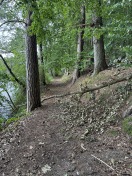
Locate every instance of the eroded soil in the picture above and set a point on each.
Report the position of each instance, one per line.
(55, 141)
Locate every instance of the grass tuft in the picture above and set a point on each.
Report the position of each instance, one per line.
(127, 125)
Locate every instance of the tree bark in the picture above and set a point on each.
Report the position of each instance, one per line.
(11, 72)
(33, 87)
(98, 43)
(80, 46)
(99, 55)
(1, 2)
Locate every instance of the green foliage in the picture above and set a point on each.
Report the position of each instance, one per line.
(11, 120)
(127, 125)
(19, 98)
(118, 29)
(56, 25)
(2, 121)
(4, 80)
(48, 78)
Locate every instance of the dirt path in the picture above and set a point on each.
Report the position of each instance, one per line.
(46, 144)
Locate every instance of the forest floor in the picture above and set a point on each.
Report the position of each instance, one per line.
(68, 136)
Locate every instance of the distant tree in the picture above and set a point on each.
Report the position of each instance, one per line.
(42, 71)
(80, 45)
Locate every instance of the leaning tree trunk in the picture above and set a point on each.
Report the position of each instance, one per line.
(98, 43)
(80, 46)
(12, 74)
(42, 72)
(33, 87)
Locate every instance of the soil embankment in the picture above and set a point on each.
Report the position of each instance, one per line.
(62, 138)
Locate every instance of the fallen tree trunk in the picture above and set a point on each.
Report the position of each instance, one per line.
(88, 89)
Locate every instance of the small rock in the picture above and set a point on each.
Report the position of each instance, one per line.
(12, 140)
(82, 137)
(73, 162)
(28, 155)
(6, 147)
(41, 143)
(46, 169)
(78, 173)
(31, 147)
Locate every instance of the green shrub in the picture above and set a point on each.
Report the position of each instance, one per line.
(48, 78)
(4, 123)
(127, 125)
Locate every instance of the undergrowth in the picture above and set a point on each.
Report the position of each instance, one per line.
(127, 125)
(19, 99)
(4, 123)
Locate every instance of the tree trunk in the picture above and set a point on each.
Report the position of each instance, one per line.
(33, 87)
(80, 46)
(42, 72)
(99, 55)
(98, 43)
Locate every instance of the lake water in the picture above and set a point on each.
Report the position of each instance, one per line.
(5, 109)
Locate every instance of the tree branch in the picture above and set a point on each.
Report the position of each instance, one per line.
(1, 2)
(10, 71)
(14, 107)
(104, 84)
(103, 162)
(13, 21)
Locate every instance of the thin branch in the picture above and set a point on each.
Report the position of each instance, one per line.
(10, 71)
(9, 104)
(103, 162)
(13, 21)
(104, 84)
(1, 2)
(14, 107)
